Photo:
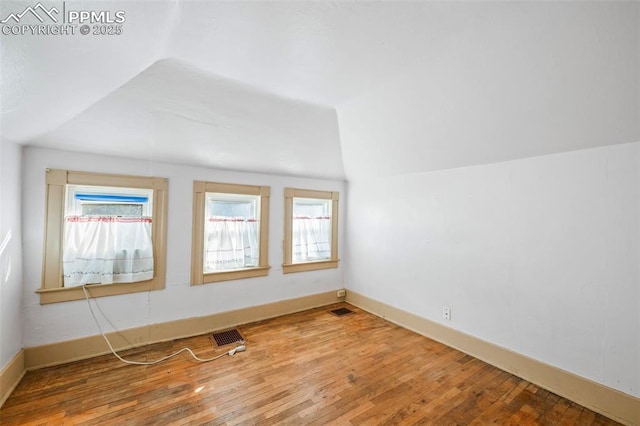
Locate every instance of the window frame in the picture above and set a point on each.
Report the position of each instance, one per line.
(74, 203)
(288, 266)
(52, 289)
(200, 189)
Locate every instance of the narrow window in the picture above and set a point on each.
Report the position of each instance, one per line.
(230, 232)
(311, 230)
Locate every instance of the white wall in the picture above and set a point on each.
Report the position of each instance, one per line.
(10, 252)
(63, 321)
(538, 255)
(534, 245)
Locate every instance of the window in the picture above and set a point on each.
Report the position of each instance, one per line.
(107, 235)
(311, 230)
(103, 229)
(230, 232)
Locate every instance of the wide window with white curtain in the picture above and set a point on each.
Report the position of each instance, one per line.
(104, 230)
(107, 235)
(311, 230)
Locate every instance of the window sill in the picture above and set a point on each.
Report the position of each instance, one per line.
(236, 274)
(309, 266)
(66, 294)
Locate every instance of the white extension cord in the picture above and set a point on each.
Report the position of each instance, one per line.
(239, 348)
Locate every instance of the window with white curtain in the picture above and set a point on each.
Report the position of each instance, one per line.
(106, 230)
(230, 232)
(311, 230)
(107, 235)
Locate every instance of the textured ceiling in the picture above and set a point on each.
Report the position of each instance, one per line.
(73, 92)
(256, 85)
(173, 112)
(318, 52)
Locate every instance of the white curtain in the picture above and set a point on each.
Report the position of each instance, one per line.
(311, 238)
(231, 243)
(106, 250)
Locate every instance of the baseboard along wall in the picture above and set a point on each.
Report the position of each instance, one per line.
(11, 375)
(614, 404)
(88, 347)
(609, 402)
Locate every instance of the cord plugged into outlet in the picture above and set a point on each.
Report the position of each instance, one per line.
(240, 348)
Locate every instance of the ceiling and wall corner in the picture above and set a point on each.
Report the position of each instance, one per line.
(520, 80)
(48, 80)
(479, 82)
(173, 112)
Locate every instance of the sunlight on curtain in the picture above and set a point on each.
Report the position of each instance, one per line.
(106, 250)
(230, 243)
(311, 238)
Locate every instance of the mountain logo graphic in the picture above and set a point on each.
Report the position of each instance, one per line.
(33, 11)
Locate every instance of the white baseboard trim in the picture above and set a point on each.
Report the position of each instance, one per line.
(88, 347)
(609, 402)
(11, 375)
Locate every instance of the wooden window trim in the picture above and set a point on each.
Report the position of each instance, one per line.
(288, 266)
(200, 188)
(52, 290)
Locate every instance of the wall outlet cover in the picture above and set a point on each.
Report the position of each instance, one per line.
(446, 313)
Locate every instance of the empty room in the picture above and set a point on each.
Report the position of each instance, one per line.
(314, 212)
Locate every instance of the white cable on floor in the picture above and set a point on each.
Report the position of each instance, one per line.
(238, 348)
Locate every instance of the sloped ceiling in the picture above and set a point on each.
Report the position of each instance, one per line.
(256, 85)
(172, 112)
(519, 80)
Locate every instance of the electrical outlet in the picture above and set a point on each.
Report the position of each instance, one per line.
(446, 313)
(341, 293)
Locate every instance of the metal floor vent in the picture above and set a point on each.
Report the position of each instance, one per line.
(227, 337)
(342, 311)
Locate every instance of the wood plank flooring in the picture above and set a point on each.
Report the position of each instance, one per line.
(306, 368)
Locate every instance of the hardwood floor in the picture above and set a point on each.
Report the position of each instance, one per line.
(307, 368)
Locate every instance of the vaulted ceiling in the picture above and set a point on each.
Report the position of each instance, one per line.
(328, 89)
